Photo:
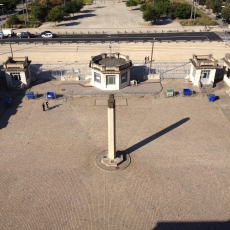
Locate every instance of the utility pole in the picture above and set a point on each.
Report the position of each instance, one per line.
(192, 10)
(194, 13)
(23, 11)
(10, 47)
(151, 57)
(2, 8)
(110, 48)
(27, 17)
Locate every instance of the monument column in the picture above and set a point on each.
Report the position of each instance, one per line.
(111, 159)
(111, 128)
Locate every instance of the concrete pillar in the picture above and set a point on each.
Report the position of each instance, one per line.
(112, 160)
(111, 128)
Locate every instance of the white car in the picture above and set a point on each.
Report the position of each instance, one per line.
(47, 35)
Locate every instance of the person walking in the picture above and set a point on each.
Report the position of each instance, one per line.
(43, 106)
(47, 105)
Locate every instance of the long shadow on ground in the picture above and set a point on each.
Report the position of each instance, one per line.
(209, 225)
(155, 136)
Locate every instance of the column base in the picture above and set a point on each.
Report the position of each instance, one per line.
(119, 163)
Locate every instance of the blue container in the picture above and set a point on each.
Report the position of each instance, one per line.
(50, 95)
(187, 92)
(30, 95)
(211, 97)
(8, 102)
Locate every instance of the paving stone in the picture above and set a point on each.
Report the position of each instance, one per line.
(179, 169)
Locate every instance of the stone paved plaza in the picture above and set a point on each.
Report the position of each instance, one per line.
(179, 147)
(179, 169)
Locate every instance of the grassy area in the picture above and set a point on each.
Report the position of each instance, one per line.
(88, 1)
(179, 1)
(202, 19)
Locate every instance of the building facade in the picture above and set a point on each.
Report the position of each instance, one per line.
(110, 71)
(203, 69)
(226, 60)
(17, 71)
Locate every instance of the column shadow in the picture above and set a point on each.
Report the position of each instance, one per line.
(155, 136)
(209, 225)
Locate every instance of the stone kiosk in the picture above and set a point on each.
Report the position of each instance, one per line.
(203, 69)
(110, 71)
(17, 71)
(226, 60)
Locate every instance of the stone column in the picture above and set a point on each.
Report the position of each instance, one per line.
(111, 159)
(111, 128)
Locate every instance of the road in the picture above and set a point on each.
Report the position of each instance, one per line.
(119, 37)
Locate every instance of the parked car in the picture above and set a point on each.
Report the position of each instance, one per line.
(47, 35)
(24, 34)
(44, 32)
(7, 32)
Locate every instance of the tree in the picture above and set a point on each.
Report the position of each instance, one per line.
(39, 12)
(131, 3)
(49, 4)
(12, 20)
(57, 14)
(225, 13)
(227, 2)
(202, 2)
(9, 4)
(209, 4)
(217, 6)
(143, 7)
(139, 2)
(151, 14)
(164, 7)
(160, 1)
(73, 6)
(182, 11)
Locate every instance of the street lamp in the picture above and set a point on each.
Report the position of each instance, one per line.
(151, 56)
(2, 8)
(110, 47)
(10, 47)
(23, 12)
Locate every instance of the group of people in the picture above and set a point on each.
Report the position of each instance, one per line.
(44, 107)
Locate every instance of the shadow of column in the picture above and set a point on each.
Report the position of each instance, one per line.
(155, 136)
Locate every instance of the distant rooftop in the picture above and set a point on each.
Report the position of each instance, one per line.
(14, 63)
(227, 59)
(110, 62)
(204, 61)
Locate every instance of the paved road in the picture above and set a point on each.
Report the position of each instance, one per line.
(119, 37)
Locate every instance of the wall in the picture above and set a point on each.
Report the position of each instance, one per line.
(227, 80)
(125, 84)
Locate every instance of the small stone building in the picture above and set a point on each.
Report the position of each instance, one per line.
(203, 69)
(110, 71)
(17, 71)
(226, 60)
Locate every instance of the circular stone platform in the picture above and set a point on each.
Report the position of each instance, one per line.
(111, 168)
